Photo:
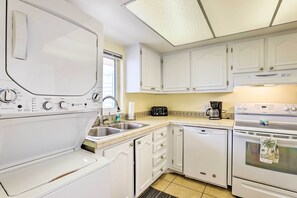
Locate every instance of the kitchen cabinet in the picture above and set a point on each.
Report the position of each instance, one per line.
(143, 70)
(282, 52)
(248, 56)
(159, 152)
(176, 72)
(178, 142)
(205, 154)
(143, 163)
(209, 69)
(122, 168)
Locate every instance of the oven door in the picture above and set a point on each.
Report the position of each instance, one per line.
(247, 165)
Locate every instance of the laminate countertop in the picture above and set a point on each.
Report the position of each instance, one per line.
(155, 123)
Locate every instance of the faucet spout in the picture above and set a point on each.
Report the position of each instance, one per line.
(101, 120)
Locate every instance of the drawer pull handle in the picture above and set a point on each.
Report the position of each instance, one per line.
(202, 173)
(139, 142)
(131, 144)
(162, 169)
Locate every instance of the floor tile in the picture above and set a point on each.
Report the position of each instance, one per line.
(160, 184)
(182, 192)
(207, 196)
(218, 192)
(168, 176)
(189, 183)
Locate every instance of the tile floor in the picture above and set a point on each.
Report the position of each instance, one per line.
(182, 187)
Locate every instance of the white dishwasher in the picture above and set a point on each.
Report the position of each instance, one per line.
(205, 154)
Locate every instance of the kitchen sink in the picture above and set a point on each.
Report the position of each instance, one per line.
(127, 125)
(100, 132)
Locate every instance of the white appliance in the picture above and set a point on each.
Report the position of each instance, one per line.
(50, 95)
(205, 154)
(251, 176)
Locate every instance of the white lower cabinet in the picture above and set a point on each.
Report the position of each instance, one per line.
(122, 168)
(205, 154)
(178, 143)
(143, 163)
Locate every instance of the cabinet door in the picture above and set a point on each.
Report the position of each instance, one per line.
(248, 56)
(150, 70)
(122, 166)
(143, 163)
(205, 154)
(178, 142)
(282, 52)
(176, 72)
(209, 69)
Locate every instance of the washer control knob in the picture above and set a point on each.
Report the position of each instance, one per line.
(286, 108)
(95, 97)
(47, 105)
(8, 95)
(294, 108)
(63, 105)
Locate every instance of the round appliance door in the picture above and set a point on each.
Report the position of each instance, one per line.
(48, 55)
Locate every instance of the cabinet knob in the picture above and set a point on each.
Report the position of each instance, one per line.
(181, 130)
(139, 142)
(261, 68)
(162, 145)
(162, 157)
(271, 67)
(162, 134)
(194, 88)
(188, 89)
(131, 144)
(162, 169)
(153, 88)
(214, 175)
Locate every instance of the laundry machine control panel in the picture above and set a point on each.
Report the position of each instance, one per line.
(14, 100)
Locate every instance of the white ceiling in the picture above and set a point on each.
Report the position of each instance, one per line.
(124, 28)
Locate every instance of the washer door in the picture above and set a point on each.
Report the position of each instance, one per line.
(48, 55)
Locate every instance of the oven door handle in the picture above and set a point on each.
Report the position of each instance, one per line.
(288, 140)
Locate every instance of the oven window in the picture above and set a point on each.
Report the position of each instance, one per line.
(287, 159)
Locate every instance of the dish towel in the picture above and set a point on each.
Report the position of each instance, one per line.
(269, 152)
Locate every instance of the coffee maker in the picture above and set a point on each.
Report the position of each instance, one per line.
(215, 110)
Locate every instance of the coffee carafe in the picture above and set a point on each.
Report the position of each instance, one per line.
(215, 110)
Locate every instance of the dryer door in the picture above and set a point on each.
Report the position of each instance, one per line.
(48, 55)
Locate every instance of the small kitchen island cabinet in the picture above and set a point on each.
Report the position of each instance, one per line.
(205, 155)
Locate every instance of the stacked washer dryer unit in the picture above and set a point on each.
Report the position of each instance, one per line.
(50, 93)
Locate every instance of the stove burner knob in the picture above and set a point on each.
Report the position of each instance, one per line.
(294, 108)
(95, 97)
(8, 95)
(63, 105)
(286, 108)
(47, 105)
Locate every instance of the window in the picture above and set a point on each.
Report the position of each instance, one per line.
(111, 79)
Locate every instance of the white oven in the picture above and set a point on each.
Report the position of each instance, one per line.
(251, 176)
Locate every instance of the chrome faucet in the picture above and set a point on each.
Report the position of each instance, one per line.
(101, 120)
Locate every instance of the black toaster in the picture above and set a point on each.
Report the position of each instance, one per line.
(159, 111)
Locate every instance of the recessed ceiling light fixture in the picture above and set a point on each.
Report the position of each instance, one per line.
(178, 22)
(183, 22)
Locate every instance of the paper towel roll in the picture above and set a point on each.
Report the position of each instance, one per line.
(131, 111)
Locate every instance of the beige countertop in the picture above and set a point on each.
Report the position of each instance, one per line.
(155, 123)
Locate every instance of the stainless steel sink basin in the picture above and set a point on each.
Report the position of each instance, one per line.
(127, 125)
(100, 132)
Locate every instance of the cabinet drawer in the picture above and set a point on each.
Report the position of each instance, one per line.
(159, 170)
(159, 158)
(160, 145)
(158, 135)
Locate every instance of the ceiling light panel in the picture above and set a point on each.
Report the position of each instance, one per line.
(179, 22)
(286, 13)
(235, 16)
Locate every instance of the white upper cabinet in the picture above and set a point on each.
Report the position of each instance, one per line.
(248, 56)
(209, 69)
(143, 70)
(282, 52)
(176, 72)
